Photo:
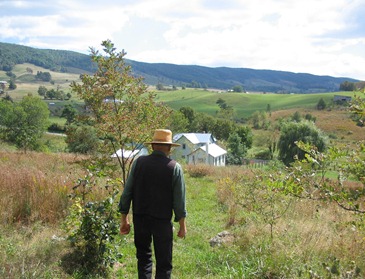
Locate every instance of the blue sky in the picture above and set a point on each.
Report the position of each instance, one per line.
(322, 37)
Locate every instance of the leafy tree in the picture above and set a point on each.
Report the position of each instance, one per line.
(12, 84)
(221, 103)
(321, 105)
(237, 88)
(256, 120)
(293, 132)
(43, 76)
(310, 117)
(189, 114)
(236, 150)
(24, 123)
(238, 142)
(122, 109)
(296, 117)
(9, 66)
(178, 123)
(225, 111)
(203, 123)
(82, 139)
(6, 111)
(269, 144)
(222, 128)
(70, 113)
(160, 86)
(260, 120)
(347, 86)
(11, 74)
(42, 91)
(51, 94)
(59, 94)
(245, 135)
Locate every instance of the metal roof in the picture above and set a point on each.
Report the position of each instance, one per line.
(195, 138)
(214, 150)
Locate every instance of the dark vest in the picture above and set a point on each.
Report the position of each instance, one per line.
(152, 188)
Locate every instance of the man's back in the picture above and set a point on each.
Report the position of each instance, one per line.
(152, 189)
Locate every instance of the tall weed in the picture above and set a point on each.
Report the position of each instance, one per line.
(35, 186)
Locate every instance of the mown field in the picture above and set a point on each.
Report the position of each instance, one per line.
(243, 104)
(311, 239)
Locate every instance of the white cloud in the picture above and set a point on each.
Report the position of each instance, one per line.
(322, 37)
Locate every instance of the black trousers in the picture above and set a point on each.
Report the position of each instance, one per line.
(146, 230)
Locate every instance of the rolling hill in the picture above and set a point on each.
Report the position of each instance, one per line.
(178, 75)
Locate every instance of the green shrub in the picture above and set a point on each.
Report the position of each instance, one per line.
(92, 226)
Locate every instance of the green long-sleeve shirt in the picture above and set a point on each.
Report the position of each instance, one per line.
(178, 191)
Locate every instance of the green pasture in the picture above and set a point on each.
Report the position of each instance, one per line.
(244, 104)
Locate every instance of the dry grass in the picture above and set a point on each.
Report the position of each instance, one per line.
(311, 233)
(35, 186)
(336, 122)
(31, 252)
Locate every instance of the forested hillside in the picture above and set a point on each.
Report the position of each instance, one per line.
(56, 60)
(178, 75)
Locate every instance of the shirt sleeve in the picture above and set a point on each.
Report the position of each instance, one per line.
(178, 193)
(126, 197)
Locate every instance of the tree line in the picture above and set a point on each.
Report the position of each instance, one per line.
(51, 94)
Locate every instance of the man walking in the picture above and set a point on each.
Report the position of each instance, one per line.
(156, 188)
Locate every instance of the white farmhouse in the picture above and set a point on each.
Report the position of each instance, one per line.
(199, 148)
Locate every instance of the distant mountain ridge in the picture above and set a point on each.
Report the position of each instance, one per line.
(178, 75)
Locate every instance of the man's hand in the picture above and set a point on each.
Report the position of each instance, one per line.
(182, 231)
(125, 227)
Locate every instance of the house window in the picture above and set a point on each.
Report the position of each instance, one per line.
(184, 146)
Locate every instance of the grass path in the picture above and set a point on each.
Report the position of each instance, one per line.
(192, 257)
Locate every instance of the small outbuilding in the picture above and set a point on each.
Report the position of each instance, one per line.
(140, 150)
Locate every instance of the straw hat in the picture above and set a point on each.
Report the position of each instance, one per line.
(162, 136)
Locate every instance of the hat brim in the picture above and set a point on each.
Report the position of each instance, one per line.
(161, 142)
